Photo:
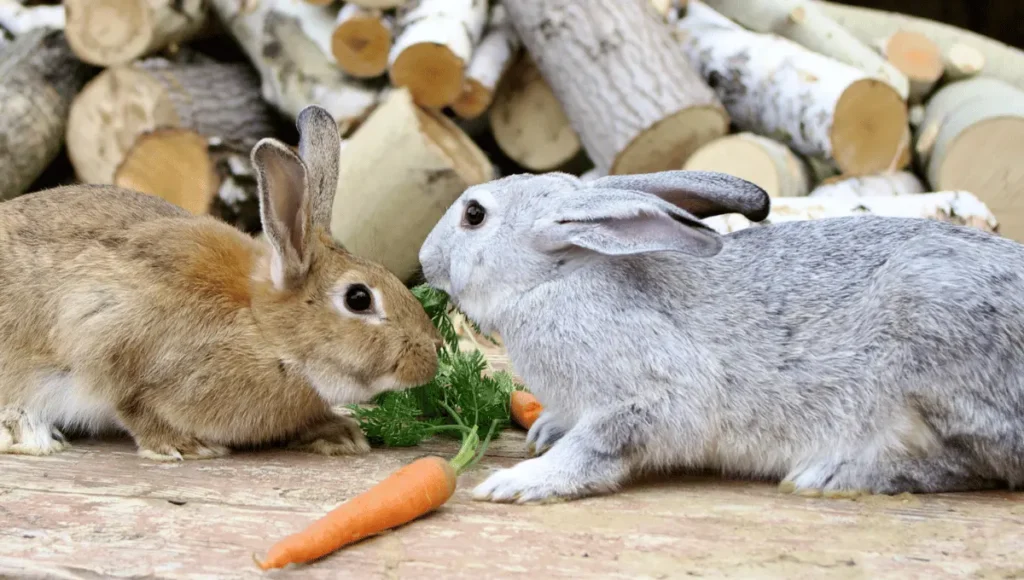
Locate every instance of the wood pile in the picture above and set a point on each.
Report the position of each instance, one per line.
(833, 109)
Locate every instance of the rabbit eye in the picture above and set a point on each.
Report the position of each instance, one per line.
(358, 298)
(474, 214)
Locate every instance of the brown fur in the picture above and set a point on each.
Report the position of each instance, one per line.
(118, 301)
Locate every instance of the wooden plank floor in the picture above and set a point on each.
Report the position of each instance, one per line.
(98, 510)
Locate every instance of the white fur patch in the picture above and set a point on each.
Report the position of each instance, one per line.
(343, 390)
(62, 403)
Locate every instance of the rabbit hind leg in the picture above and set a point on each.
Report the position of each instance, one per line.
(23, 433)
(159, 441)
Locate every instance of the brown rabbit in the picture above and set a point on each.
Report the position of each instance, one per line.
(120, 310)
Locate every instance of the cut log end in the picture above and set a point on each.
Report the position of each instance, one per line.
(432, 73)
(473, 101)
(917, 57)
(173, 164)
(102, 32)
(869, 131)
(115, 107)
(361, 45)
(759, 160)
(455, 145)
(669, 143)
(985, 158)
(963, 61)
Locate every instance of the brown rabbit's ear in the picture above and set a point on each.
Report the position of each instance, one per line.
(320, 149)
(284, 209)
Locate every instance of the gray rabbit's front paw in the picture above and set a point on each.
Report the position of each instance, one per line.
(545, 432)
(542, 480)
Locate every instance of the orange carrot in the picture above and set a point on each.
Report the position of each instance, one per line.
(525, 408)
(409, 493)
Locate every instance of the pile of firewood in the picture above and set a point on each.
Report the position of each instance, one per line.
(833, 109)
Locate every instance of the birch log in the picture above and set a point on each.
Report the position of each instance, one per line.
(626, 88)
(802, 22)
(204, 175)
(433, 47)
(528, 121)
(361, 40)
(918, 58)
(491, 59)
(962, 61)
(295, 70)
(18, 19)
(973, 139)
(379, 4)
(39, 77)
(112, 32)
(215, 99)
(401, 170)
(957, 207)
(816, 105)
(768, 163)
(883, 184)
(1001, 61)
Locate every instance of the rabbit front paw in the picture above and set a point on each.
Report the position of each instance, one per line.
(545, 432)
(552, 477)
(339, 435)
(23, 434)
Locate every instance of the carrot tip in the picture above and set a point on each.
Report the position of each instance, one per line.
(258, 563)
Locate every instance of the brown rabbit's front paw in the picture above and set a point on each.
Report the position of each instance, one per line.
(337, 436)
(189, 448)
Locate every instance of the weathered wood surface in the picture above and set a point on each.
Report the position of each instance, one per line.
(99, 510)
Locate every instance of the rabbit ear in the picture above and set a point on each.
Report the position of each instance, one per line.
(284, 209)
(702, 193)
(320, 149)
(616, 223)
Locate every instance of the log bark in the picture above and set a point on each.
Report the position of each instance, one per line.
(958, 207)
(379, 4)
(962, 61)
(491, 60)
(215, 99)
(39, 77)
(882, 184)
(433, 46)
(802, 22)
(626, 88)
(816, 105)
(918, 58)
(400, 171)
(203, 175)
(978, 146)
(760, 160)
(361, 40)
(529, 123)
(17, 19)
(295, 70)
(114, 32)
(1001, 61)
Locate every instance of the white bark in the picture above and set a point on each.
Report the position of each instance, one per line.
(295, 71)
(962, 61)
(316, 21)
(765, 162)
(775, 87)
(1001, 61)
(951, 98)
(958, 207)
(491, 59)
(626, 88)
(802, 22)
(17, 19)
(882, 184)
(399, 173)
(379, 4)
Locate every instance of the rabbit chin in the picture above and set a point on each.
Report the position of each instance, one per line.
(345, 390)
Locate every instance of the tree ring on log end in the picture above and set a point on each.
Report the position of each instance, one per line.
(983, 156)
(869, 128)
(108, 32)
(432, 73)
(173, 164)
(109, 114)
(768, 164)
(668, 143)
(361, 45)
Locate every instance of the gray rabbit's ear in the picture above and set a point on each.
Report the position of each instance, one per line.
(617, 223)
(702, 193)
(320, 149)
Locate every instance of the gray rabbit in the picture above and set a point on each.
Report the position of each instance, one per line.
(845, 355)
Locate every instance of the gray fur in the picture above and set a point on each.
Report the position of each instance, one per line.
(849, 354)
